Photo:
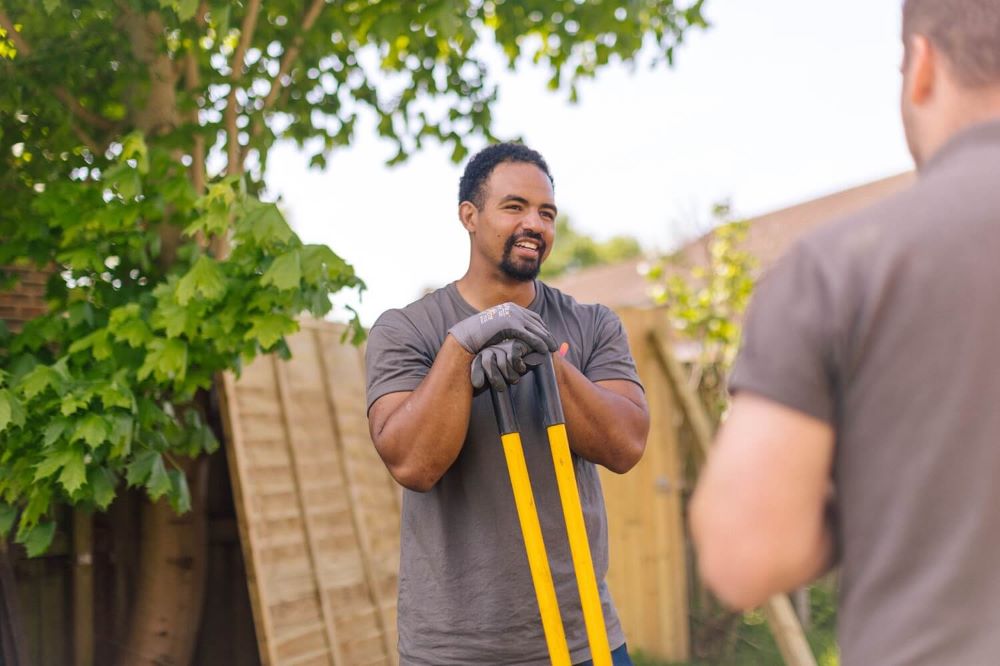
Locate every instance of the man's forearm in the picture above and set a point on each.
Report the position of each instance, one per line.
(604, 426)
(419, 437)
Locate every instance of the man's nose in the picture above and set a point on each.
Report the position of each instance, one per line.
(533, 221)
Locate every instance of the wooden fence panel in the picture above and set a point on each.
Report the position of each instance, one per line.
(316, 507)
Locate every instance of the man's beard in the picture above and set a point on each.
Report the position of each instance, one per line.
(522, 270)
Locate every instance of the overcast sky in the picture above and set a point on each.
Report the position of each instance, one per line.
(780, 101)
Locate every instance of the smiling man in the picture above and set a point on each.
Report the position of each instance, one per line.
(465, 591)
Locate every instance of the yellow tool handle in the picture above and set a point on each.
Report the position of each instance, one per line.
(538, 561)
(579, 546)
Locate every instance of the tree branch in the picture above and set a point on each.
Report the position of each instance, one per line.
(287, 60)
(61, 93)
(233, 152)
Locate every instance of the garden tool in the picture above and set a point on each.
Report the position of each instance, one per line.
(538, 563)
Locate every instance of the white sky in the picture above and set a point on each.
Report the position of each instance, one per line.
(778, 102)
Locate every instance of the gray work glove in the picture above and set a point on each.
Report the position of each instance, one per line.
(507, 320)
(500, 364)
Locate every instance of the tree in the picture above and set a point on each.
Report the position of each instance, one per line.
(574, 250)
(134, 135)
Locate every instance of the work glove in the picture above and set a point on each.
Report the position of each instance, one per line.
(499, 365)
(507, 320)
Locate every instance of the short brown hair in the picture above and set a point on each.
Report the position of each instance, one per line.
(967, 32)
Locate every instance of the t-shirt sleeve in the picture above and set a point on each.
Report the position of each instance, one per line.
(395, 358)
(789, 338)
(610, 358)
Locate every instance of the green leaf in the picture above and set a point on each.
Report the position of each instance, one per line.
(11, 410)
(285, 272)
(121, 437)
(171, 317)
(113, 394)
(213, 222)
(204, 278)
(8, 514)
(92, 429)
(6, 409)
(38, 380)
(209, 443)
(53, 431)
(180, 494)
(269, 328)
(71, 404)
(51, 5)
(140, 468)
(102, 486)
(97, 341)
(158, 483)
(134, 332)
(74, 472)
(265, 224)
(37, 539)
(319, 262)
(166, 360)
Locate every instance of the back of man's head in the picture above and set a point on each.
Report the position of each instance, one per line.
(472, 186)
(965, 32)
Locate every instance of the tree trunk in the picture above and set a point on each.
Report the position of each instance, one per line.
(171, 579)
(169, 592)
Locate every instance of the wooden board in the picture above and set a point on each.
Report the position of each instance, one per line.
(318, 512)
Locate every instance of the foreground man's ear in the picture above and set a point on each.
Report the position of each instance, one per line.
(921, 65)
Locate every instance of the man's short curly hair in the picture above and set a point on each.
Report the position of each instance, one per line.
(479, 168)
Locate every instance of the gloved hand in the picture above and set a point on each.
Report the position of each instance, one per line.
(500, 364)
(507, 320)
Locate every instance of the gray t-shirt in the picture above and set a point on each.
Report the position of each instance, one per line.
(885, 326)
(465, 591)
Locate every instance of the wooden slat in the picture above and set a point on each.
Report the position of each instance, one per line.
(237, 457)
(296, 466)
(360, 525)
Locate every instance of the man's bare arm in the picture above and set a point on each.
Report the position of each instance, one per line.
(758, 516)
(607, 422)
(419, 433)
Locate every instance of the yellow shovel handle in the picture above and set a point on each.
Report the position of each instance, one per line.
(579, 546)
(538, 561)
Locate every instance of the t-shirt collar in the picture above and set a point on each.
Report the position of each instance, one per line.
(464, 305)
(986, 132)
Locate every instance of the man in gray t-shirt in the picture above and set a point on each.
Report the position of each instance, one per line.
(865, 427)
(465, 590)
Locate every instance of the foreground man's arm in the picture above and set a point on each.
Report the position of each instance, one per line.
(758, 516)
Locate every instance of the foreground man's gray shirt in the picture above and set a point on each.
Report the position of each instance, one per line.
(885, 325)
(465, 592)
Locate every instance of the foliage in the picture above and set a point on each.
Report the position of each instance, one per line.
(706, 303)
(134, 135)
(574, 250)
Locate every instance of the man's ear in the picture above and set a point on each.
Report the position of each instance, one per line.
(468, 215)
(922, 63)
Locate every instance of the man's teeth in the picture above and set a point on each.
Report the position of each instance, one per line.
(529, 246)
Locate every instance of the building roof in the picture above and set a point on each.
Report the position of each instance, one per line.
(621, 285)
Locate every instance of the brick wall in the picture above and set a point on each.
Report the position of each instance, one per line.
(26, 300)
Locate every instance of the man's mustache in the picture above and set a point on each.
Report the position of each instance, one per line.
(533, 235)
